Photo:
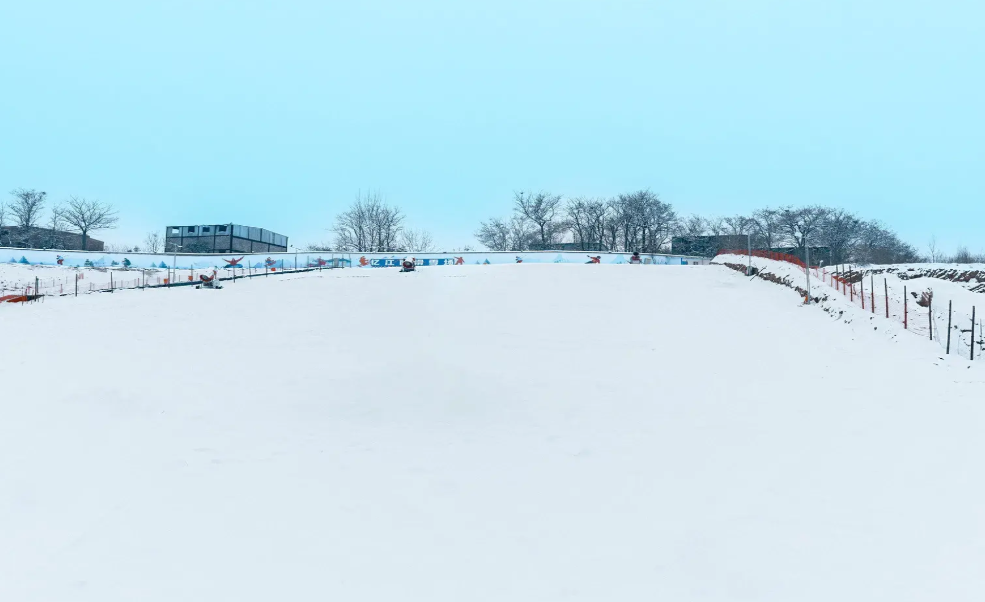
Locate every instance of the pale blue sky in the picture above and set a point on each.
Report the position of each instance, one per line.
(275, 114)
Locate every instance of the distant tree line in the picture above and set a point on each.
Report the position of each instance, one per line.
(371, 225)
(25, 220)
(641, 221)
(845, 236)
(636, 221)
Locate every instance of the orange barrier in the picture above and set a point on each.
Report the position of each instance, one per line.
(765, 255)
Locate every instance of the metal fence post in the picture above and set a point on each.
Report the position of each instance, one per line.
(872, 292)
(930, 316)
(973, 333)
(886, 286)
(949, 307)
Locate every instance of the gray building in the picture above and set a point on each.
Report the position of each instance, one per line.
(707, 246)
(223, 238)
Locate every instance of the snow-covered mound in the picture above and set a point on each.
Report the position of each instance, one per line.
(566, 432)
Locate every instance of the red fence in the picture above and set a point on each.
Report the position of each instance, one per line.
(786, 257)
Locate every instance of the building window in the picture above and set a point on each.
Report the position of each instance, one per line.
(220, 229)
(191, 229)
(206, 230)
(175, 230)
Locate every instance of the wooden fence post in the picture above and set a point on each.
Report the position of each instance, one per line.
(906, 307)
(861, 291)
(972, 333)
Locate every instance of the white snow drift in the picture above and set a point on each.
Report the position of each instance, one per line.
(482, 433)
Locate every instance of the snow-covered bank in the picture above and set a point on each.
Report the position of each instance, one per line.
(897, 290)
(487, 433)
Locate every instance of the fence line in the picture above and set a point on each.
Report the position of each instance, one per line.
(919, 316)
(80, 285)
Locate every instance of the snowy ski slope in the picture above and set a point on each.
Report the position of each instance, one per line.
(481, 433)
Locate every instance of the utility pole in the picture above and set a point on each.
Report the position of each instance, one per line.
(174, 266)
(807, 256)
(749, 242)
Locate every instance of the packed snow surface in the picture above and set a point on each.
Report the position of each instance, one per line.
(535, 433)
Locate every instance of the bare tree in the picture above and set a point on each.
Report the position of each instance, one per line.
(122, 248)
(737, 225)
(416, 241)
(716, 226)
(369, 225)
(84, 216)
(514, 234)
(541, 210)
(645, 222)
(521, 235)
(52, 237)
(319, 248)
(494, 235)
(691, 227)
(659, 221)
(800, 225)
(936, 255)
(841, 232)
(27, 207)
(624, 224)
(766, 226)
(581, 222)
(880, 245)
(154, 242)
(598, 215)
(963, 255)
(387, 224)
(4, 233)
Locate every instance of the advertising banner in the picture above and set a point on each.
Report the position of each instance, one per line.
(279, 261)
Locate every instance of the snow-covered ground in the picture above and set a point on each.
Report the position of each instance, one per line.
(542, 432)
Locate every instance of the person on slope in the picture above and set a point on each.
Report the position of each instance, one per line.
(636, 258)
(408, 264)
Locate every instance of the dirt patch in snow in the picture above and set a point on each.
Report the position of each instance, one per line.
(974, 277)
(781, 280)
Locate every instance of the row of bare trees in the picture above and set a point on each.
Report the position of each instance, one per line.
(962, 255)
(636, 221)
(371, 225)
(23, 221)
(641, 221)
(843, 236)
